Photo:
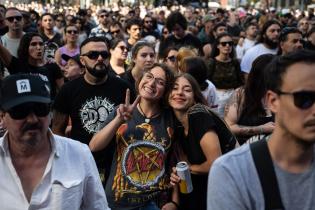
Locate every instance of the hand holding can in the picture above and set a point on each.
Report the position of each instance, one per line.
(185, 185)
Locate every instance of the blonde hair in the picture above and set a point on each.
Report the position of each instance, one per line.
(185, 52)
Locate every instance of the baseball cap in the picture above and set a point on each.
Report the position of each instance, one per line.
(76, 58)
(208, 18)
(23, 88)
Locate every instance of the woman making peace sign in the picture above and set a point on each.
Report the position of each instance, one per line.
(143, 132)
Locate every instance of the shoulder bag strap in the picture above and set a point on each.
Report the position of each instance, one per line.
(267, 175)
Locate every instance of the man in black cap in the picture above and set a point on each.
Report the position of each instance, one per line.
(36, 166)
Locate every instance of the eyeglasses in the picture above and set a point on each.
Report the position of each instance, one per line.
(302, 99)
(148, 21)
(115, 32)
(95, 54)
(22, 111)
(59, 20)
(11, 19)
(72, 31)
(148, 76)
(231, 43)
(172, 58)
(123, 48)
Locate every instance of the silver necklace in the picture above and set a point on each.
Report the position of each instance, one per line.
(146, 118)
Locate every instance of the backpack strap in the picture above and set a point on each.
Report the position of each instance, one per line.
(267, 175)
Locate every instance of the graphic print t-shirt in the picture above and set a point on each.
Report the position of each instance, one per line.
(89, 106)
(139, 172)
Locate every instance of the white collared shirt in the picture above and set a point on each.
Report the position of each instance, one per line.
(70, 181)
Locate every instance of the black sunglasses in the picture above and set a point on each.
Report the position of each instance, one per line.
(11, 19)
(22, 111)
(72, 31)
(302, 99)
(231, 43)
(95, 54)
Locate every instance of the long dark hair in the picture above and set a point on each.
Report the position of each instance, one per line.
(215, 50)
(198, 97)
(196, 67)
(255, 88)
(22, 52)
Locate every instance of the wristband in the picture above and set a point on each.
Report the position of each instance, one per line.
(176, 204)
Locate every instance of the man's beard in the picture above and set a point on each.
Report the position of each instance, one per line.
(100, 70)
(270, 43)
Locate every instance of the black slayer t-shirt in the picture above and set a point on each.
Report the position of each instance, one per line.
(88, 107)
(140, 171)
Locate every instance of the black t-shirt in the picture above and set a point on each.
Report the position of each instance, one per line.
(140, 171)
(187, 40)
(49, 72)
(88, 107)
(127, 76)
(190, 145)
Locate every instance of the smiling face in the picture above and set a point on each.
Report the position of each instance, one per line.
(152, 85)
(181, 97)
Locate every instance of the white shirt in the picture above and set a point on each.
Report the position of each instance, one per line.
(252, 53)
(210, 95)
(241, 50)
(70, 181)
(11, 44)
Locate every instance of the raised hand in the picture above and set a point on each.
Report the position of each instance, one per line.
(124, 111)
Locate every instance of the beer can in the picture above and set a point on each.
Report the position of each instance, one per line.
(185, 184)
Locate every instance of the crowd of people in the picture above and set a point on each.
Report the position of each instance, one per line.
(98, 105)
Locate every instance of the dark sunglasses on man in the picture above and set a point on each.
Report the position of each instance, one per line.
(11, 19)
(95, 54)
(21, 111)
(302, 99)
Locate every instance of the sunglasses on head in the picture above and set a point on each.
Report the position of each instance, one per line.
(11, 19)
(231, 43)
(301, 99)
(172, 58)
(72, 31)
(95, 54)
(22, 111)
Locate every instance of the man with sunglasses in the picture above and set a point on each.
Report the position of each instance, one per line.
(88, 100)
(40, 170)
(102, 29)
(277, 172)
(14, 21)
